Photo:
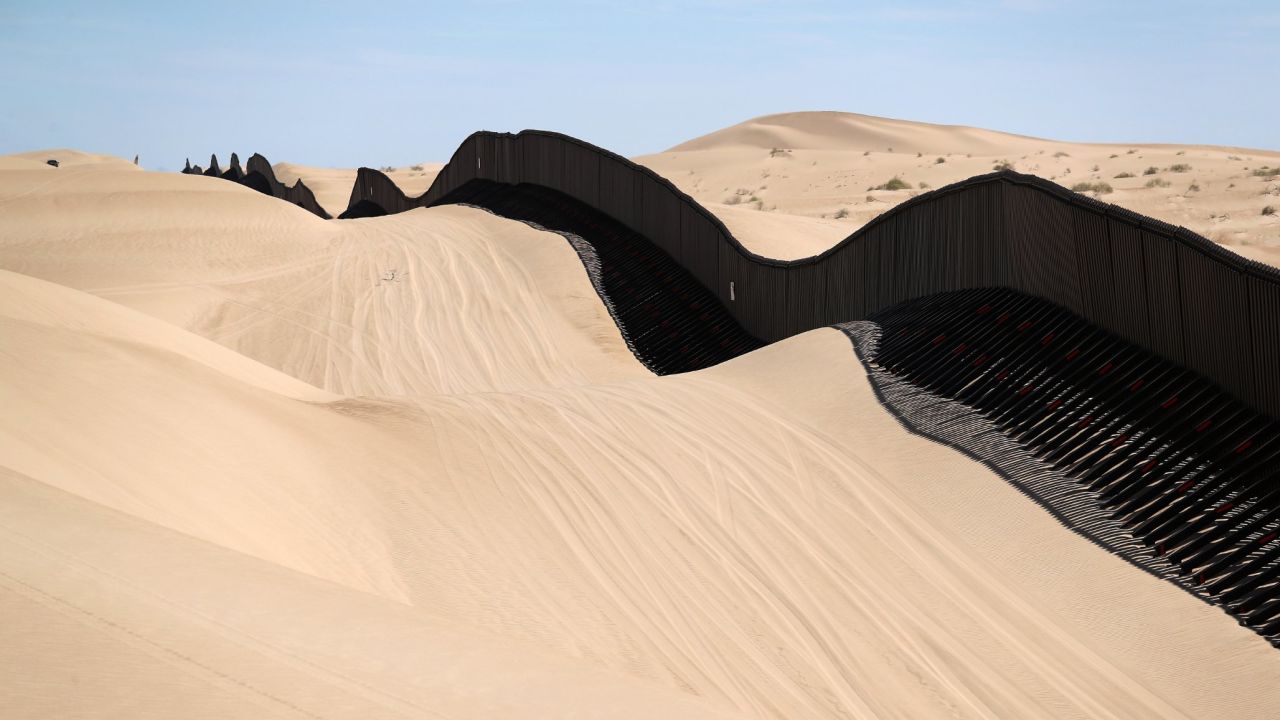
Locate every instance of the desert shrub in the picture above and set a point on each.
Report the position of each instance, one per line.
(733, 200)
(1181, 152)
(1266, 172)
(1002, 165)
(1061, 154)
(1157, 183)
(939, 161)
(841, 214)
(1269, 210)
(775, 152)
(416, 168)
(1123, 175)
(1151, 170)
(1131, 151)
(919, 154)
(924, 186)
(1179, 167)
(386, 169)
(894, 183)
(1113, 156)
(1193, 187)
(866, 153)
(871, 198)
(1234, 157)
(1095, 168)
(1100, 188)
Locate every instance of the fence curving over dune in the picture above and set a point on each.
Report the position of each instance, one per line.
(259, 175)
(1161, 287)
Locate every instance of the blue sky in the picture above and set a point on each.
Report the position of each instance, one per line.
(388, 83)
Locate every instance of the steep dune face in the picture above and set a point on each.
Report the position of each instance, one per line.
(523, 522)
(835, 166)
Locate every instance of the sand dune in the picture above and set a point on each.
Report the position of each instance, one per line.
(450, 490)
(827, 165)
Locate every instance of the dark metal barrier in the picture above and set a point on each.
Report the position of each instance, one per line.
(1161, 287)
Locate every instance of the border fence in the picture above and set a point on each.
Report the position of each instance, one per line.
(1161, 287)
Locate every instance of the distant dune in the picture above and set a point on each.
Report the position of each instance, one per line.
(835, 166)
(332, 186)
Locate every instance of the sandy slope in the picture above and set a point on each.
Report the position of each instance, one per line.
(825, 163)
(331, 303)
(524, 523)
(332, 186)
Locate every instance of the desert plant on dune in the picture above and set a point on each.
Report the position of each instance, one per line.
(1002, 165)
(386, 169)
(1060, 154)
(1157, 183)
(1099, 188)
(939, 161)
(841, 214)
(1151, 170)
(1179, 168)
(1266, 172)
(1123, 175)
(1269, 210)
(924, 185)
(894, 183)
(1193, 187)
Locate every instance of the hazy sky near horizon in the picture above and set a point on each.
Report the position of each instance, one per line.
(401, 82)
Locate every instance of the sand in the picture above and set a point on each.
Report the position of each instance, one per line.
(827, 164)
(246, 470)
